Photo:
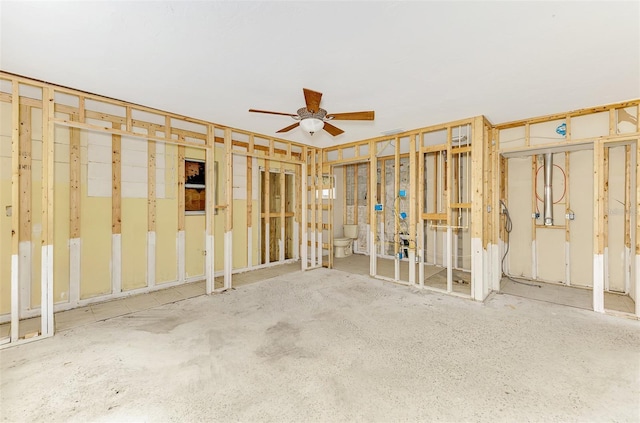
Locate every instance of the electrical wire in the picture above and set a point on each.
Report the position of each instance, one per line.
(508, 227)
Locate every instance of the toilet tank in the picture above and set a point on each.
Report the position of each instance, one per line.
(351, 231)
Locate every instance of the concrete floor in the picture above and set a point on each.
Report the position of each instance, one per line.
(326, 345)
(96, 312)
(434, 276)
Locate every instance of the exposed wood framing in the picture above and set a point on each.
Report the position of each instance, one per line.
(479, 276)
(489, 180)
(613, 124)
(504, 188)
(116, 188)
(25, 173)
(283, 221)
(266, 206)
(48, 149)
(567, 225)
(605, 216)
(383, 194)
(345, 187)
(421, 208)
(412, 208)
(449, 234)
(373, 231)
(313, 189)
(637, 205)
(627, 196)
(574, 113)
(627, 220)
(299, 193)
(250, 185)
(15, 211)
(151, 186)
(74, 182)
(228, 227)
(304, 211)
(210, 177)
(598, 226)
(181, 192)
(396, 212)
(320, 214)
(534, 209)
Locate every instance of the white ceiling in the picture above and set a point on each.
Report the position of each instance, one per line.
(414, 63)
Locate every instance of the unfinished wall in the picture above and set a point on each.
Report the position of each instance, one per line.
(5, 207)
(595, 198)
(355, 205)
(344, 199)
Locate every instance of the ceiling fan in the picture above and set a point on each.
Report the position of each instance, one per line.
(312, 118)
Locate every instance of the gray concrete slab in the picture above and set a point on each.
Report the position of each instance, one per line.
(328, 346)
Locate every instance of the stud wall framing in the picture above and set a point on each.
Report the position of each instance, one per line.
(77, 115)
(599, 130)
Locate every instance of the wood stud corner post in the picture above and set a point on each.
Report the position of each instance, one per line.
(478, 274)
(15, 211)
(48, 150)
(210, 209)
(228, 227)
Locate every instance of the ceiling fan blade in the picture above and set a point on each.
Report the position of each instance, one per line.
(332, 129)
(368, 115)
(272, 113)
(312, 98)
(290, 127)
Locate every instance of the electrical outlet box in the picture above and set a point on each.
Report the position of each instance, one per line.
(570, 216)
(535, 215)
(402, 193)
(403, 215)
(377, 207)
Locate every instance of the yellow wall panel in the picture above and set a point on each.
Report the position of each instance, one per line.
(5, 239)
(194, 245)
(134, 243)
(239, 234)
(194, 153)
(95, 230)
(166, 238)
(5, 200)
(255, 233)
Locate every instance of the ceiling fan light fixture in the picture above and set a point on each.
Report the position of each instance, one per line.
(312, 124)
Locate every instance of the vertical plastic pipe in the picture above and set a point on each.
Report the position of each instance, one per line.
(548, 192)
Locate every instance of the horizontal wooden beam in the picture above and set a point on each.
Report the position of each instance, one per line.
(574, 113)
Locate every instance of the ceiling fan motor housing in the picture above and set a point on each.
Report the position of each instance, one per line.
(306, 114)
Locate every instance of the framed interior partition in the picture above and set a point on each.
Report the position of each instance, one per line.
(582, 234)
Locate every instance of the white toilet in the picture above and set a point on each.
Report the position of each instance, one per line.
(343, 247)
